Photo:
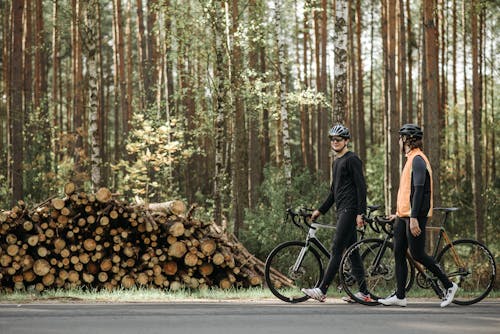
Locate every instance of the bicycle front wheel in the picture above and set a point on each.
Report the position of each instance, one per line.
(286, 274)
(379, 276)
(471, 266)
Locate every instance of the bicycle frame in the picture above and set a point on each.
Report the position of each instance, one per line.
(447, 241)
(311, 238)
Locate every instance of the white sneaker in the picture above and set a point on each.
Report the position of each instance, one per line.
(393, 300)
(359, 295)
(315, 293)
(450, 294)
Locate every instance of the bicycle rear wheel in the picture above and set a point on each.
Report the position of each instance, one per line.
(473, 270)
(379, 272)
(285, 282)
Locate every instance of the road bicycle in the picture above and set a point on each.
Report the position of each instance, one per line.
(293, 265)
(467, 262)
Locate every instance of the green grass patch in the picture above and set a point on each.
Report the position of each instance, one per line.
(157, 295)
(135, 295)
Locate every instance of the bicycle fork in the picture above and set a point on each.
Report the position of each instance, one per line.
(300, 258)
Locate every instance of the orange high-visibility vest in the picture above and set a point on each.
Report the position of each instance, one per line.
(404, 192)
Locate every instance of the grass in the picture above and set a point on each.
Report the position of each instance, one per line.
(135, 295)
(156, 295)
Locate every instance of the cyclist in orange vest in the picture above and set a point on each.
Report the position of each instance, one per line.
(414, 207)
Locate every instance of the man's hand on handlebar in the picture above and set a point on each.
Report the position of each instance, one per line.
(315, 215)
(391, 217)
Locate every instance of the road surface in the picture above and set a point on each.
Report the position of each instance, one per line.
(266, 317)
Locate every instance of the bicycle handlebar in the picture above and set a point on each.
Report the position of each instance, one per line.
(378, 222)
(303, 213)
(306, 213)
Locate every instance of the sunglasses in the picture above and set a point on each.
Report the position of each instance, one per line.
(336, 139)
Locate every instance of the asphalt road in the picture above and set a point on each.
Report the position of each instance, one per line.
(248, 317)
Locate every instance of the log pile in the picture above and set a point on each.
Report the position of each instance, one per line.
(96, 241)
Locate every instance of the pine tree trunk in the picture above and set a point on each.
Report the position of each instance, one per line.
(151, 54)
(403, 98)
(411, 44)
(431, 101)
(15, 110)
(240, 162)
(141, 52)
(393, 123)
(56, 92)
(477, 181)
(305, 124)
(361, 135)
(4, 81)
(455, 93)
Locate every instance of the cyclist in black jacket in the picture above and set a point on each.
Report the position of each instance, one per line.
(348, 192)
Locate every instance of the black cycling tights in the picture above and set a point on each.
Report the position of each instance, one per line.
(344, 237)
(404, 239)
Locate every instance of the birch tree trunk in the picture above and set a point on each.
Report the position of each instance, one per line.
(90, 36)
(287, 159)
(323, 126)
(216, 20)
(77, 92)
(340, 74)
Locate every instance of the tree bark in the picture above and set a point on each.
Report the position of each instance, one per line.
(340, 71)
(431, 102)
(141, 51)
(240, 164)
(392, 112)
(361, 135)
(15, 110)
(477, 181)
(90, 37)
(216, 21)
(287, 159)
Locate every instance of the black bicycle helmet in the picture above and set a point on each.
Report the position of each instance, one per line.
(339, 131)
(411, 131)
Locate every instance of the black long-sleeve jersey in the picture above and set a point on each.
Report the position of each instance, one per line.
(348, 188)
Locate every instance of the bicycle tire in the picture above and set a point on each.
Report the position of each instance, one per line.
(282, 259)
(380, 277)
(477, 278)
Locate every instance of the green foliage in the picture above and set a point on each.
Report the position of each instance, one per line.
(265, 224)
(374, 174)
(154, 150)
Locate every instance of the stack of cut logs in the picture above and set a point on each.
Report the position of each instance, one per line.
(96, 241)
